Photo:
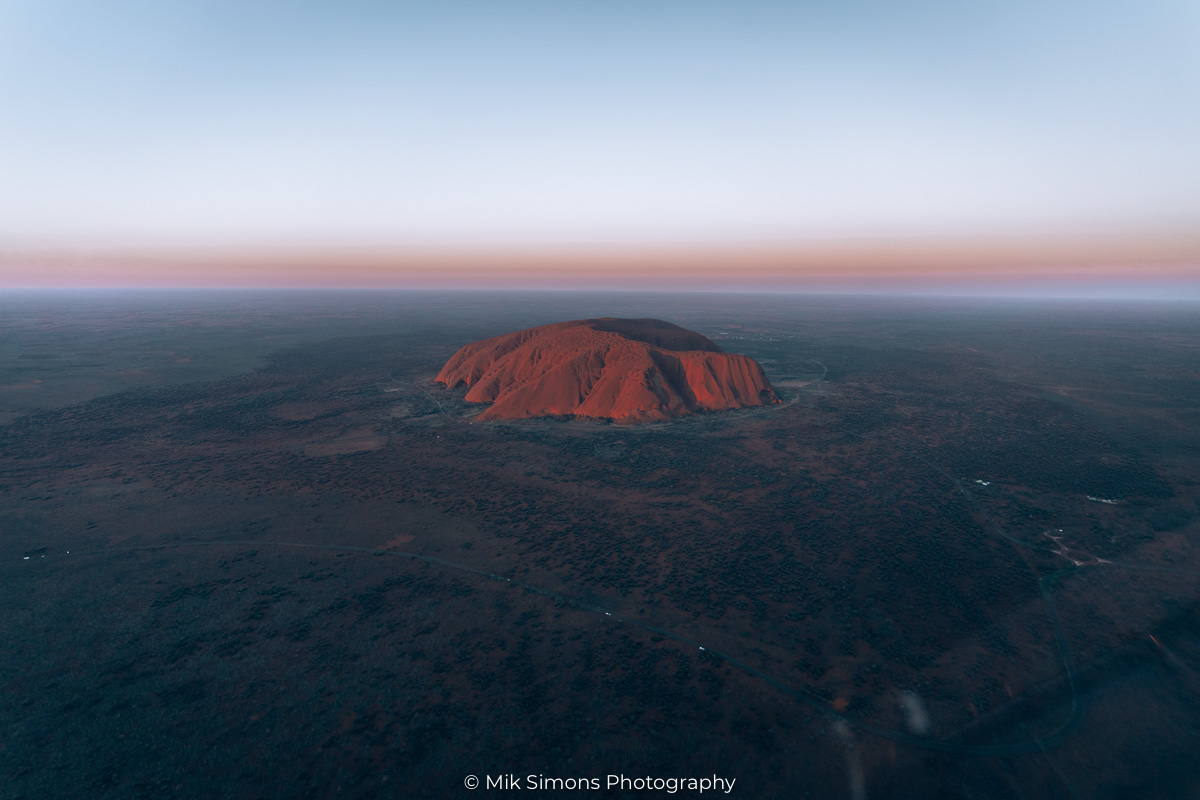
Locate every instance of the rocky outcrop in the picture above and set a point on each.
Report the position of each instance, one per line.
(626, 370)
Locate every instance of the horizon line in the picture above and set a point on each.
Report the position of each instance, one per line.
(960, 265)
(1174, 297)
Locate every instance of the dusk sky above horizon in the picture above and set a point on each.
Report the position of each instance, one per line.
(481, 124)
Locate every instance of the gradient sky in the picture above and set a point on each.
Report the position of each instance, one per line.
(476, 123)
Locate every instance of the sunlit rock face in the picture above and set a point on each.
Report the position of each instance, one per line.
(625, 370)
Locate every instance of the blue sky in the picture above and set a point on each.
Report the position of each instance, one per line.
(383, 123)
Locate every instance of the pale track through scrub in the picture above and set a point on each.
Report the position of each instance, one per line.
(1045, 582)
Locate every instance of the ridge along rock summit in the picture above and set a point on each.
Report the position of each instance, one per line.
(626, 370)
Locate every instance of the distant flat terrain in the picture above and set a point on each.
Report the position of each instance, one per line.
(959, 559)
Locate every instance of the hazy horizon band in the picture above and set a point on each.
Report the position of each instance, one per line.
(1164, 268)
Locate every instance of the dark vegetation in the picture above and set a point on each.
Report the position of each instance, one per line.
(899, 529)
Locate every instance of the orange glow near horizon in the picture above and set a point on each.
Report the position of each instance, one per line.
(883, 266)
